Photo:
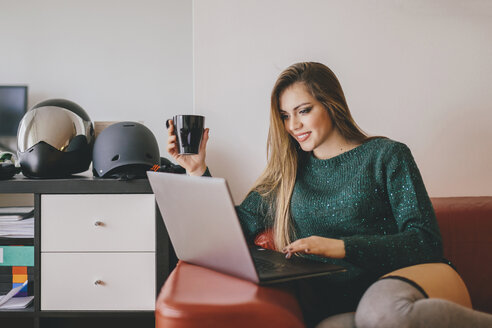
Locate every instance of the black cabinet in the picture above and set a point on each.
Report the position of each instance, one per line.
(51, 314)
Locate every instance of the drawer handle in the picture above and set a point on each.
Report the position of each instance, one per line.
(99, 224)
(99, 283)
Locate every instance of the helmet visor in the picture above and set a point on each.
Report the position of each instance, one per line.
(54, 125)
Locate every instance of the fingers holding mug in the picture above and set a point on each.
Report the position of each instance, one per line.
(205, 137)
(170, 127)
(172, 149)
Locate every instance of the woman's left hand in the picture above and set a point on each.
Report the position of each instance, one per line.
(326, 247)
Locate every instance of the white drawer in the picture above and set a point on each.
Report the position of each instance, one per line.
(98, 222)
(68, 281)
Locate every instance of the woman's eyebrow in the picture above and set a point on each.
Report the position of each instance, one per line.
(295, 108)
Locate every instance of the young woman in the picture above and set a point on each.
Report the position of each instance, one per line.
(333, 194)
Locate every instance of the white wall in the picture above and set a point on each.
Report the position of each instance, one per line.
(119, 60)
(416, 71)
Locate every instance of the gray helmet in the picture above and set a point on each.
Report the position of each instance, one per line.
(55, 139)
(125, 149)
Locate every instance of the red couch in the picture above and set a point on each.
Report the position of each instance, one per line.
(198, 297)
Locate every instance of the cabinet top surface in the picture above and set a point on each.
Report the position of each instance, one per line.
(76, 184)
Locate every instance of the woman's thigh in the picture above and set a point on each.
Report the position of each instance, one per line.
(438, 280)
(399, 302)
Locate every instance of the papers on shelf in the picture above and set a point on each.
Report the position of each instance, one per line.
(18, 229)
(17, 222)
(9, 302)
(20, 210)
(17, 303)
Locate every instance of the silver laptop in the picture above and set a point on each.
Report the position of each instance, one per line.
(203, 226)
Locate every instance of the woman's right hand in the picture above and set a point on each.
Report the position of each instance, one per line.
(194, 164)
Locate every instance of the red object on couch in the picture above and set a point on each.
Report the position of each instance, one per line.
(466, 229)
(198, 297)
(194, 296)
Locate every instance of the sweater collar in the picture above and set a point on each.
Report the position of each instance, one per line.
(336, 160)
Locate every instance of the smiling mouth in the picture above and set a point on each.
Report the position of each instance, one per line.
(303, 137)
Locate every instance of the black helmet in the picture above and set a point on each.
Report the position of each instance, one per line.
(125, 150)
(55, 139)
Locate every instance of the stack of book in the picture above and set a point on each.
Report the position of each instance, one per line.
(16, 257)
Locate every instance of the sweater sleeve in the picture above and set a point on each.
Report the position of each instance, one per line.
(206, 173)
(418, 239)
(252, 213)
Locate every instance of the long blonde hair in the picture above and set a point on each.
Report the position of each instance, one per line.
(277, 181)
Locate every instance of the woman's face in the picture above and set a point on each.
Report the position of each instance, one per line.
(306, 119)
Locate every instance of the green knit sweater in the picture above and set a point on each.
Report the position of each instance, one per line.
(372, 197)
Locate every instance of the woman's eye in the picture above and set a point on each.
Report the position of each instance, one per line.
(284, 117)
(305, 110)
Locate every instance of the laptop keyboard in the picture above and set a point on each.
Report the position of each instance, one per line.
(263, 265)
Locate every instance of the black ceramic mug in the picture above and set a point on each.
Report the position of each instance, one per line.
(189, 131)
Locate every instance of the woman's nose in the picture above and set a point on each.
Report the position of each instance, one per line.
(294, 124)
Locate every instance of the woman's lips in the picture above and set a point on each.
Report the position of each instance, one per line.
(303, 136)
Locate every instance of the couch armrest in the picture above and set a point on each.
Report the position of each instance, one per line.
(194, 296)
(466, 229)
